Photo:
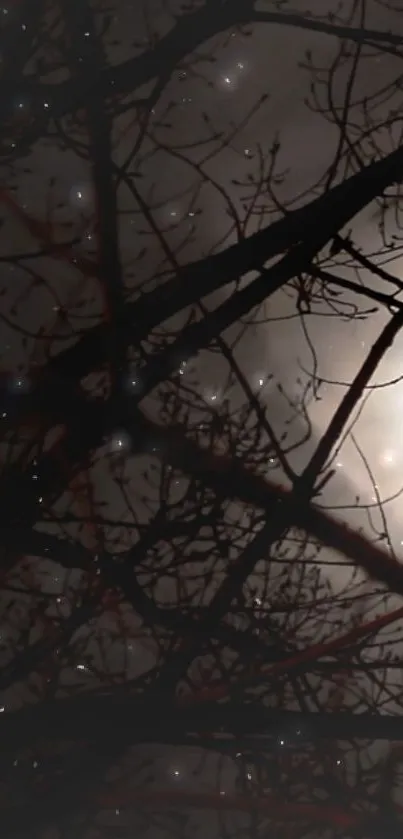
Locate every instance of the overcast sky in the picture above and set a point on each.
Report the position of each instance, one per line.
(229, 78)
(226, 82)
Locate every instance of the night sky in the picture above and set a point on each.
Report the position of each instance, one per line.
(241, 131)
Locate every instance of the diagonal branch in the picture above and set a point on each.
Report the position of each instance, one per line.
(189, 32)
(325, 216)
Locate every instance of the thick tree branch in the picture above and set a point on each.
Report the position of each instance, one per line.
(139, 720)
(325, 216)
(188, 33)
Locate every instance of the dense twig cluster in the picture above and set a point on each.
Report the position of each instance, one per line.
(191, 638)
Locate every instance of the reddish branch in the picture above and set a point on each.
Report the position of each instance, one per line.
(326, 215)
(228, 477)
(220, 690)
(56, 395)
(360, 185)
(44, 233)
(273, 808)
(120, 717)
